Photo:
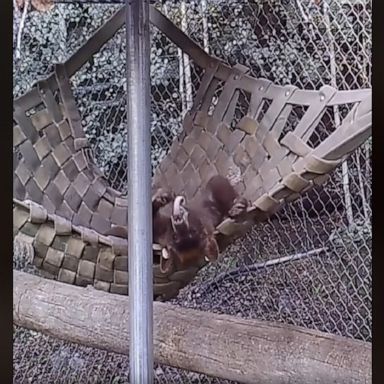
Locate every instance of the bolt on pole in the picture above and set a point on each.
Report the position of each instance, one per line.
(139, 192)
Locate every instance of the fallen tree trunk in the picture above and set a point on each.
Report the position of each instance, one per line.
(248, 351)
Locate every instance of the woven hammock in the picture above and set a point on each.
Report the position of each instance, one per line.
(63, 204)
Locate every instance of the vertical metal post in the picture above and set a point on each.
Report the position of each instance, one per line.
(139, 192)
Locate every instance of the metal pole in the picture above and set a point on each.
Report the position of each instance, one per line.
(139, 193)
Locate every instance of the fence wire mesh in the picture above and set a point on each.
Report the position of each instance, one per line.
(309, 265)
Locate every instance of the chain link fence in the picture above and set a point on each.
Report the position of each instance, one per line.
(309, 265)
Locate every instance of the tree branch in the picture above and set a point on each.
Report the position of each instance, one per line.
(247, 351)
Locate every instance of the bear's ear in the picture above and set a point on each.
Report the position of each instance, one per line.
(167, 262)
(211, 249)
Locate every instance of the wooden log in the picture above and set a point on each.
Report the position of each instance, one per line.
(248, 351)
